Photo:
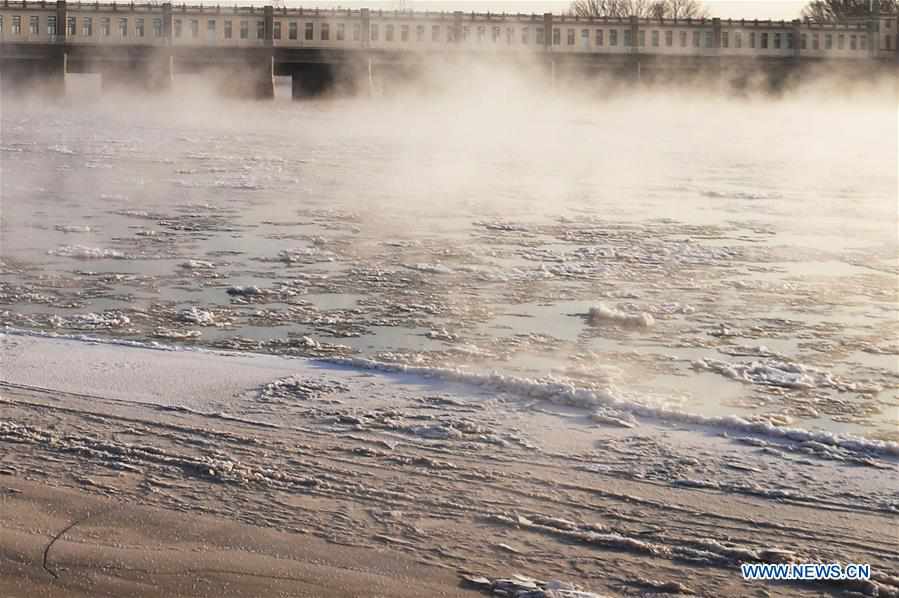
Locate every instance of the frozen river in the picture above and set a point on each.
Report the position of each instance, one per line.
(706, 256)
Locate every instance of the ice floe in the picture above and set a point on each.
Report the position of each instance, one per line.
(247, 291)
(87, 253)
(519, 586)
(72, 228)
(91, 321)
(197, 265)
(603, 313)
(197, 316)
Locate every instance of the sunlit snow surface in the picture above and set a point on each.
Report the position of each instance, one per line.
(686, 255)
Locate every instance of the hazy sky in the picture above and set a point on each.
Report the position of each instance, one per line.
(733, 9)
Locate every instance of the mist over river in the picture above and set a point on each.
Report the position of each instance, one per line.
(709, 255)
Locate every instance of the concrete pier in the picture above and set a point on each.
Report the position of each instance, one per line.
(249, 75)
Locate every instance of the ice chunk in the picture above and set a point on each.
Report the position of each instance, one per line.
(196, 265)
(82, 252)
(247, 291)
(200, 317)
(603, 313)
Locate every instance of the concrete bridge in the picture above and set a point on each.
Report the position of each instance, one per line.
(149, 44)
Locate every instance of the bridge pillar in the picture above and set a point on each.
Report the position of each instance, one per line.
(369, 73)
(874, 29)
(160, 71)
(457, 27)
(57, 79)
(262, 75)
(62, 22)
(547, 31)
(715, 67)
(635, 34)
(366, 27)
(635, 46)
(268, 16)
(167, 23)
(251, 75)
(796, 60)
(260, 65)
(548, 46)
